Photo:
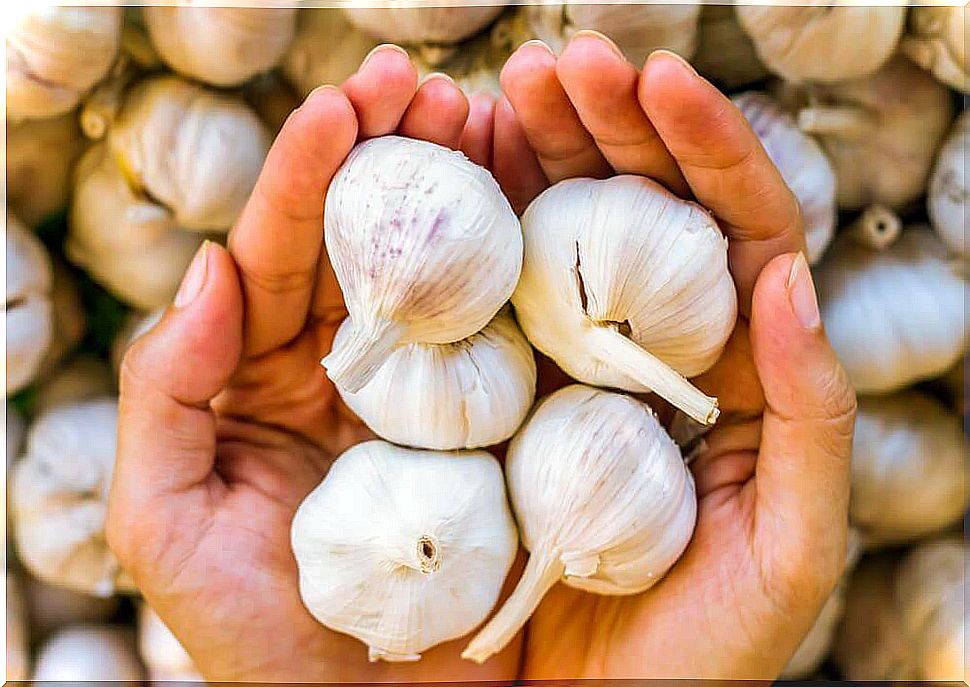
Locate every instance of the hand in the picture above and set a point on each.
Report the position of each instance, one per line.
(227, 421)
(773, 482)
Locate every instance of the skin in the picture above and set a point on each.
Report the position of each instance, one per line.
(225, 426)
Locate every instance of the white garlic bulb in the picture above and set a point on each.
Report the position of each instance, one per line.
(427, 562)
(27, 311)
(161, 651)
(55, 55)
(948, 198)
(625, 285)
(880, 133)
(82, 653)
(59, 493)
(824, 40)
(134, 327)
(52, 607)
(327, 49)
(468, 394)
(18, 635)
(223, 46)
(894, 316)
(725, 53)
(603, 499)
(79, 379)
(937, 41)
(802, 164)
(401, 21)
(425, 246)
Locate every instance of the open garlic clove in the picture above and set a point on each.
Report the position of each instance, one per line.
(162, 653)
(948, 201)
(18, 634)
(625, 285)
(82, 378)
(55, 55)
(223, 46)
(327, 50)
(427, 562)
(802, 164)
(603, 500)
(468, 394)
(894, 316)
(82, 653)
(52, 607)
(937, 42)
(425, 246)
(725, 54)
(824, 40)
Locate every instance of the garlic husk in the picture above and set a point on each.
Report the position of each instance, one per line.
(881, 133)
(397, 21)
(425, 246)
(52, 607)
(427, 561)
(603, 499)
(55, 55)
(88, 653)
(136, 325)
(823, 40)
(223, 46)
(79, 379)
(948, 197)
(27, 311)
(327, 49)
(802, 164)
(59, 492)
(624, 285)
(18, 635)
(163, 654)
(725, 54)
(894, 316)
(937, 42)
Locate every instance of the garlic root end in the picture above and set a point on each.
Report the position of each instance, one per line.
(375, 654)
(877, 227)
(357, 360)
(848, 122)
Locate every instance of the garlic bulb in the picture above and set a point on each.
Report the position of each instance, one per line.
(881, 132)
(910, 470)
(327, 49)
(400, 21)
(88, 653)
(425, 247)
(135, 326)
(52, 607)
(80, 379)
(894, 316)
(27, 313)
(824, 40)
(626, 286)
(68, 318)
(55, 55)
(725, 54)
(59, 493)
(427, 562)
(802, 164)
(18, 635)
(948, 201)
(937, 42)
(224, 46)
(468, 394)
(164, 656)
(603, 499)
(638, 29)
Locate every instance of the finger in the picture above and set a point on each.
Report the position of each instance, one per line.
(514, 163)
(725, 165)
(602, 87)
(278, 238)
(563, 146)
(476, 138)
(437, 113)
(382, 89)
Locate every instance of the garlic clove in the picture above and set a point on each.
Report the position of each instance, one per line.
(327, 50)
(427, 562)
(425, 246)
(603, 499)
(469, 394)
(725, 54)
(948, 199)
(937, 42)
(624, 285)
(81, 653)
(393, 21)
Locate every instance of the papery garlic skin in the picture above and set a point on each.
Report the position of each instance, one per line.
(603, 499)
(55, 55)
(400, 21)
(88, 653)
(52, 607)
(823, 40)
(223, 46)
(162, 653)
(469, 394)
(948, 198)
(624, 253)
(937, 42)
(725, 54)
(327, 49)
(894, 316)
(81, 378)
(17, 633)
(802, 164)
(425, 246)
(427, 561)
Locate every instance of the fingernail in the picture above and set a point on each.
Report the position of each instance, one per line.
(194, 278)
(382, 47)
(602, 38)
(535, 42)
(437, 75)
(674, 56)
(801, 294)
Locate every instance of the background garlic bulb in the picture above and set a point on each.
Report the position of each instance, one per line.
(937, 41)
(27, 312)
(55, 55)
(59, 492)
(223, 46)
(327, 49)
(88, 653)
(164, 656)
(425, 247)
(437, 535)
(894, 316)
(725, 53)
(625, 285)
(397, 21)
(603, 500)
(802, 164)
(949, 193)
(51, 607)
(18, 636)
(881, 133)
(472, 393)
(82, 378)
(823, 40)
(68, 317)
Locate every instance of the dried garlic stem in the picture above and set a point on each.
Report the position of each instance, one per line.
(102, 105)
(541, 572)
(877, 227)
(353, 364)
(846, 121)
